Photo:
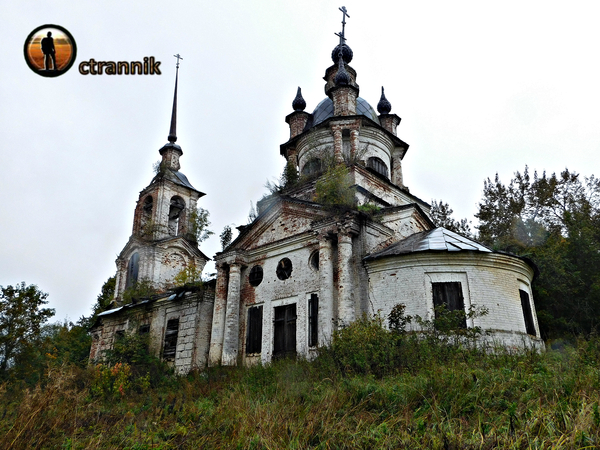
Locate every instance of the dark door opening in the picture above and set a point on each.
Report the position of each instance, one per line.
(284, 344)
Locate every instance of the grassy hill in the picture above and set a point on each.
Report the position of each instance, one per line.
(372, 388)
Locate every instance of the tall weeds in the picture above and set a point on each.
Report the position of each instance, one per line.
(373, 388)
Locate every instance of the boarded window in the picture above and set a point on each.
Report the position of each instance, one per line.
(133, 269)
(378, 166)
(171, 334)
(449, 295)
(285, 331)
(254, 333)
(526, 305)
(313, 320)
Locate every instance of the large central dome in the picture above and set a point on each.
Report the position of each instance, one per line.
(324, 111)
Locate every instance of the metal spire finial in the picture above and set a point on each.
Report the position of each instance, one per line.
(173, 132)
(342, 34)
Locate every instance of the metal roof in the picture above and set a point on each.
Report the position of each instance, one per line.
(438, 239)
(324, 111)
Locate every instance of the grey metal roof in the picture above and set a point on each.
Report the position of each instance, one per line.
(324, 111)
(438, 239)
(184, 181)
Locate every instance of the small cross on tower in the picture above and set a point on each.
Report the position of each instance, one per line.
(179, 57)
(341, 35)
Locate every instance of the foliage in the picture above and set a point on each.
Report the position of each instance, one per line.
(441, 215)
(21, 320)
(199, 224)
(370, 209)
(555, 221)
(141, 289)
(438, 396)
(104, 299)
(188, 276)
(226, 236)
(334, 189)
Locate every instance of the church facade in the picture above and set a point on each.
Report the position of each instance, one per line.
(309, 263)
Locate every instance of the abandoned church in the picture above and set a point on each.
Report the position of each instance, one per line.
(308, 264)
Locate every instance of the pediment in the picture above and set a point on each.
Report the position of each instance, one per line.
(283, 219)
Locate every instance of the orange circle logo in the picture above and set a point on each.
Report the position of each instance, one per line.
(50, 50)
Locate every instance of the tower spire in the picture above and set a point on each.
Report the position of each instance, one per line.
(173, 131)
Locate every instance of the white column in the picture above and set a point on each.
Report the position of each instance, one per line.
(345, 297)
(218, 322)
(232, 317)
(326, 289)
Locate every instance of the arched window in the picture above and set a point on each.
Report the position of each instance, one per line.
(133, 269)
(175, 215)
(146, 212)
(378, 166)
(312, 167)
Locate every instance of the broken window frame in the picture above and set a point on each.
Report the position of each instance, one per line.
(449, 294)
(527, 312)
(378, 166)
(284, 269)
(313, 320)
(170, 339)
(254, 330)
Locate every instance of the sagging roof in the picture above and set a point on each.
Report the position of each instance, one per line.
(438, 239)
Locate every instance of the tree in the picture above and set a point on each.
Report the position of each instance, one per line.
(226, 237)
(200, 224)
(21, 320)
(441, 215)
(555, 221)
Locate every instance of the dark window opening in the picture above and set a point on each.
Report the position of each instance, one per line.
(146, 214)
(171, 333)
(254, 326)
(378, 166)
(449, 296)
(119, 335)
(284, 269)
(255, 276)
(144, 329)
(284, 344)
(176, 215)
(313, 320)
(314, 260)
(133, 270)
(312, 167)
(527, 314)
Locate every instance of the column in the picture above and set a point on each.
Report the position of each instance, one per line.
(232, 317)
(337, 146)
(326, 289)
(218, 322)
(345, 297)
(353, 145)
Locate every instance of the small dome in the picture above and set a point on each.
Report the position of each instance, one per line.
(324, 111)
(299, 104)
(347, 54)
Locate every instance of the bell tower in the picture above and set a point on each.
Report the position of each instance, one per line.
(163, 241)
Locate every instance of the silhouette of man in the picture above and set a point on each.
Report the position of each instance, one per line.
(49, 51)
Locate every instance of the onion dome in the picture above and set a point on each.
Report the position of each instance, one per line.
(384, 106)
(341, 77)
(299, 104)
(347, 53)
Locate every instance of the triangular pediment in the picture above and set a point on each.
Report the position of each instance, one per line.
(284, 218)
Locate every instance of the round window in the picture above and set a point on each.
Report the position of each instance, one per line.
(255, 276)
(284, 269)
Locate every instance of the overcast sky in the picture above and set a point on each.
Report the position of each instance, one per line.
(481, 87)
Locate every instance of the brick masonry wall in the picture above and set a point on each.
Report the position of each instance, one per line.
(488, 280)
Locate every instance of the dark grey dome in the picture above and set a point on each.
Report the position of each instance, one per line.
(324, 111)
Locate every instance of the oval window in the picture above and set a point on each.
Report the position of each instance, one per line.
(255, 276)
(284, 269)
(314, 260)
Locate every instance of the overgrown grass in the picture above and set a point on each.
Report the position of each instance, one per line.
(371, 389)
